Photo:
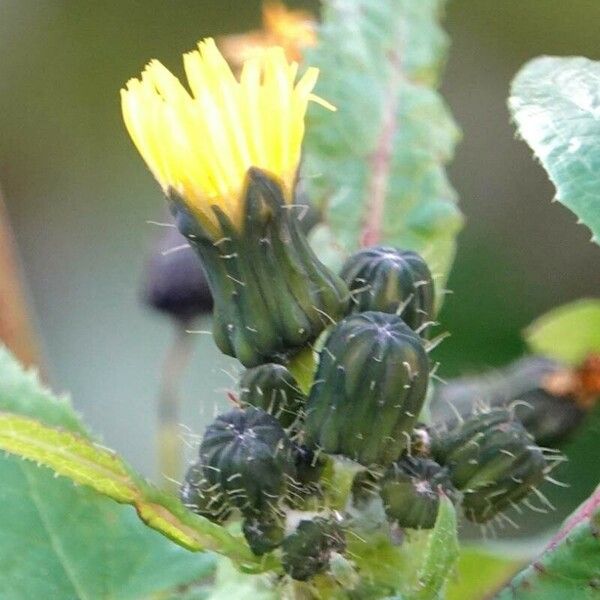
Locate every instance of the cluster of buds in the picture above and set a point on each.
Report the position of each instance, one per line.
(226, 155)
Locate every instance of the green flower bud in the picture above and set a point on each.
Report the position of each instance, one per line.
(272, 295)
(307, 551)
(393, 281)
(202, 498)
(369, 388)
(248, 456)
(493, 460)
(273, 388)
(411, 490)
(309, 469)
(264, 532)
(484, 501)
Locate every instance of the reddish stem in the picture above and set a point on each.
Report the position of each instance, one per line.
(381, 158)
(583, 513)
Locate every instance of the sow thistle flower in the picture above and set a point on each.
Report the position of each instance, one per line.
(200, 145)
(226, 155)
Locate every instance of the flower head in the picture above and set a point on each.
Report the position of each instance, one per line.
(201, 143)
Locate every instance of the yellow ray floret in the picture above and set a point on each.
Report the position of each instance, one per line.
(202, 143)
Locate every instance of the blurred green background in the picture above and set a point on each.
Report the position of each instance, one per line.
(79, 197)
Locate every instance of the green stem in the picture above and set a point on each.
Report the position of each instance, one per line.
(169, 442)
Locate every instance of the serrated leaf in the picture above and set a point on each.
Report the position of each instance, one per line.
(570, 565)
(555, 102)
(60, 541)
(22, 393)
(83, 462)
(376, 166)
(567, 333)
(441, 555)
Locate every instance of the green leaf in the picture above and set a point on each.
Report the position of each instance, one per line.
(417, 569)
(83, 462)
(555, 102)
(569, 567)
(385, 568)
(22, 393)
(60, 541)
(65, 542)
(375, 167)
(441, 555)
(68, 454)
(478, 572)
(568, 333)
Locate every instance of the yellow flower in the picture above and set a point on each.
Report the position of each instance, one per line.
(201, 144)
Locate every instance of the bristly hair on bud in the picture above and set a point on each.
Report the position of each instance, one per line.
(494, 461)
(369, 388)
(411, 489)
(199, 144)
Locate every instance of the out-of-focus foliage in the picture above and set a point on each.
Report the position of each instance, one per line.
(555, 103)
(570, 565)
(63, 541)
(230, 583)
(568, 333)
(478, 572)
(375, 168)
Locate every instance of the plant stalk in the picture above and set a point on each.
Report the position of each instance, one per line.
(169, 443)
